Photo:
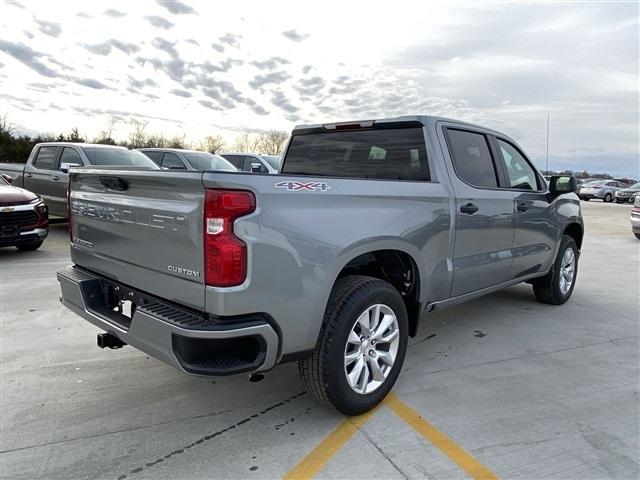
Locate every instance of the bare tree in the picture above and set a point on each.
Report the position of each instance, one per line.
(246, 142)
(272, 142)
(178, 142)
(138, 137)
(106, 135)
(156, 141)
(213, 143)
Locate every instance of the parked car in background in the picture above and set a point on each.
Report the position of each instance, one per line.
(635, 217)
(604, 190)
(333, 263)
(178, 159)
(628, 194)
(253, 162)
(45, 172)
(626, 181)
(24, 217)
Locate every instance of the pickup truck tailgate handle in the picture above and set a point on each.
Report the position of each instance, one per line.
(115, 183)
(469, 208)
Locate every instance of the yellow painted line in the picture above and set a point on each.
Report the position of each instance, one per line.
(447, 446)
(317, 458)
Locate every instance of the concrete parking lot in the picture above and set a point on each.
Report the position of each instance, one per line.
(522, 389)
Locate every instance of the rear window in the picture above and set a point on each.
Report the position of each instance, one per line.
(119, 157)
(391, 154)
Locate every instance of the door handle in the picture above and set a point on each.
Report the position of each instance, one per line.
(55, 177)
(28, 175)
(469, 208)
(523, 207)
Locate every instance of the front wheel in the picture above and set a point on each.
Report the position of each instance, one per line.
(361, 347)
(608, 198)
(637, 235)
(556, 287)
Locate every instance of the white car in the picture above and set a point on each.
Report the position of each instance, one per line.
(604, 190)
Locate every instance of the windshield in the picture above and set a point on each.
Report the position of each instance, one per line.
(118, 156)
(272, 160)
(208, 161)
(635, 186)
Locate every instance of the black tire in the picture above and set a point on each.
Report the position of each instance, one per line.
(585, 199)
(637, 235)
(323, 373)
(547, 288)
(26, 247)
(608, 198)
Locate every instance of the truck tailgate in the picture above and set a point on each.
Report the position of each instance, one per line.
(141, 228)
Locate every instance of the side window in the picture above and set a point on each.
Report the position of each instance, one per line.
(71, 157)
(154, 155)
(46, 158)
(172, 161)
(472, 158)
(249, 161)
(236, 160)
(521, 175)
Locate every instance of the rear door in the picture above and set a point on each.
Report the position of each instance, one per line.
(535, 221)
(41, 177)
(142, 229)
(484, 213)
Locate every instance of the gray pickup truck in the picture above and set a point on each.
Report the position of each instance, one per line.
(368, 228)
(46, 169)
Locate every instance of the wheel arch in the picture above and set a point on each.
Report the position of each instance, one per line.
(396, 266)
(575, 231)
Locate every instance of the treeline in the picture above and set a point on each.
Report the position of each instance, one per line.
(580, 175)
(16, 148)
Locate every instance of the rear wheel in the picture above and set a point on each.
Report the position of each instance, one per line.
(637, 235)
(29, 246)
(556, 287)
(361, 346)
(608, 197)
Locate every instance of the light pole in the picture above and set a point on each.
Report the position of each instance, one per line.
(547, 162)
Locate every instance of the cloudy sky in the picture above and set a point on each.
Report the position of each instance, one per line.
(198, 68)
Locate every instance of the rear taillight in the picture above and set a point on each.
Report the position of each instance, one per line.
(225, 255)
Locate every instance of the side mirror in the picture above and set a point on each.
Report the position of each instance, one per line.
(8, 178)
(256, 168)
(65, 167)
(559, 184)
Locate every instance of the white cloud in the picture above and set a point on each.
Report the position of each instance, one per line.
(192, 67)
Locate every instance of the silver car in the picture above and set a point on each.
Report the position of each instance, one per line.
(628, 194)
(604, 190)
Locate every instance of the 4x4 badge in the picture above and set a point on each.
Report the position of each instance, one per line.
(292, 186)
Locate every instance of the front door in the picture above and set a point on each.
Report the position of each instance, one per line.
(535, 221)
